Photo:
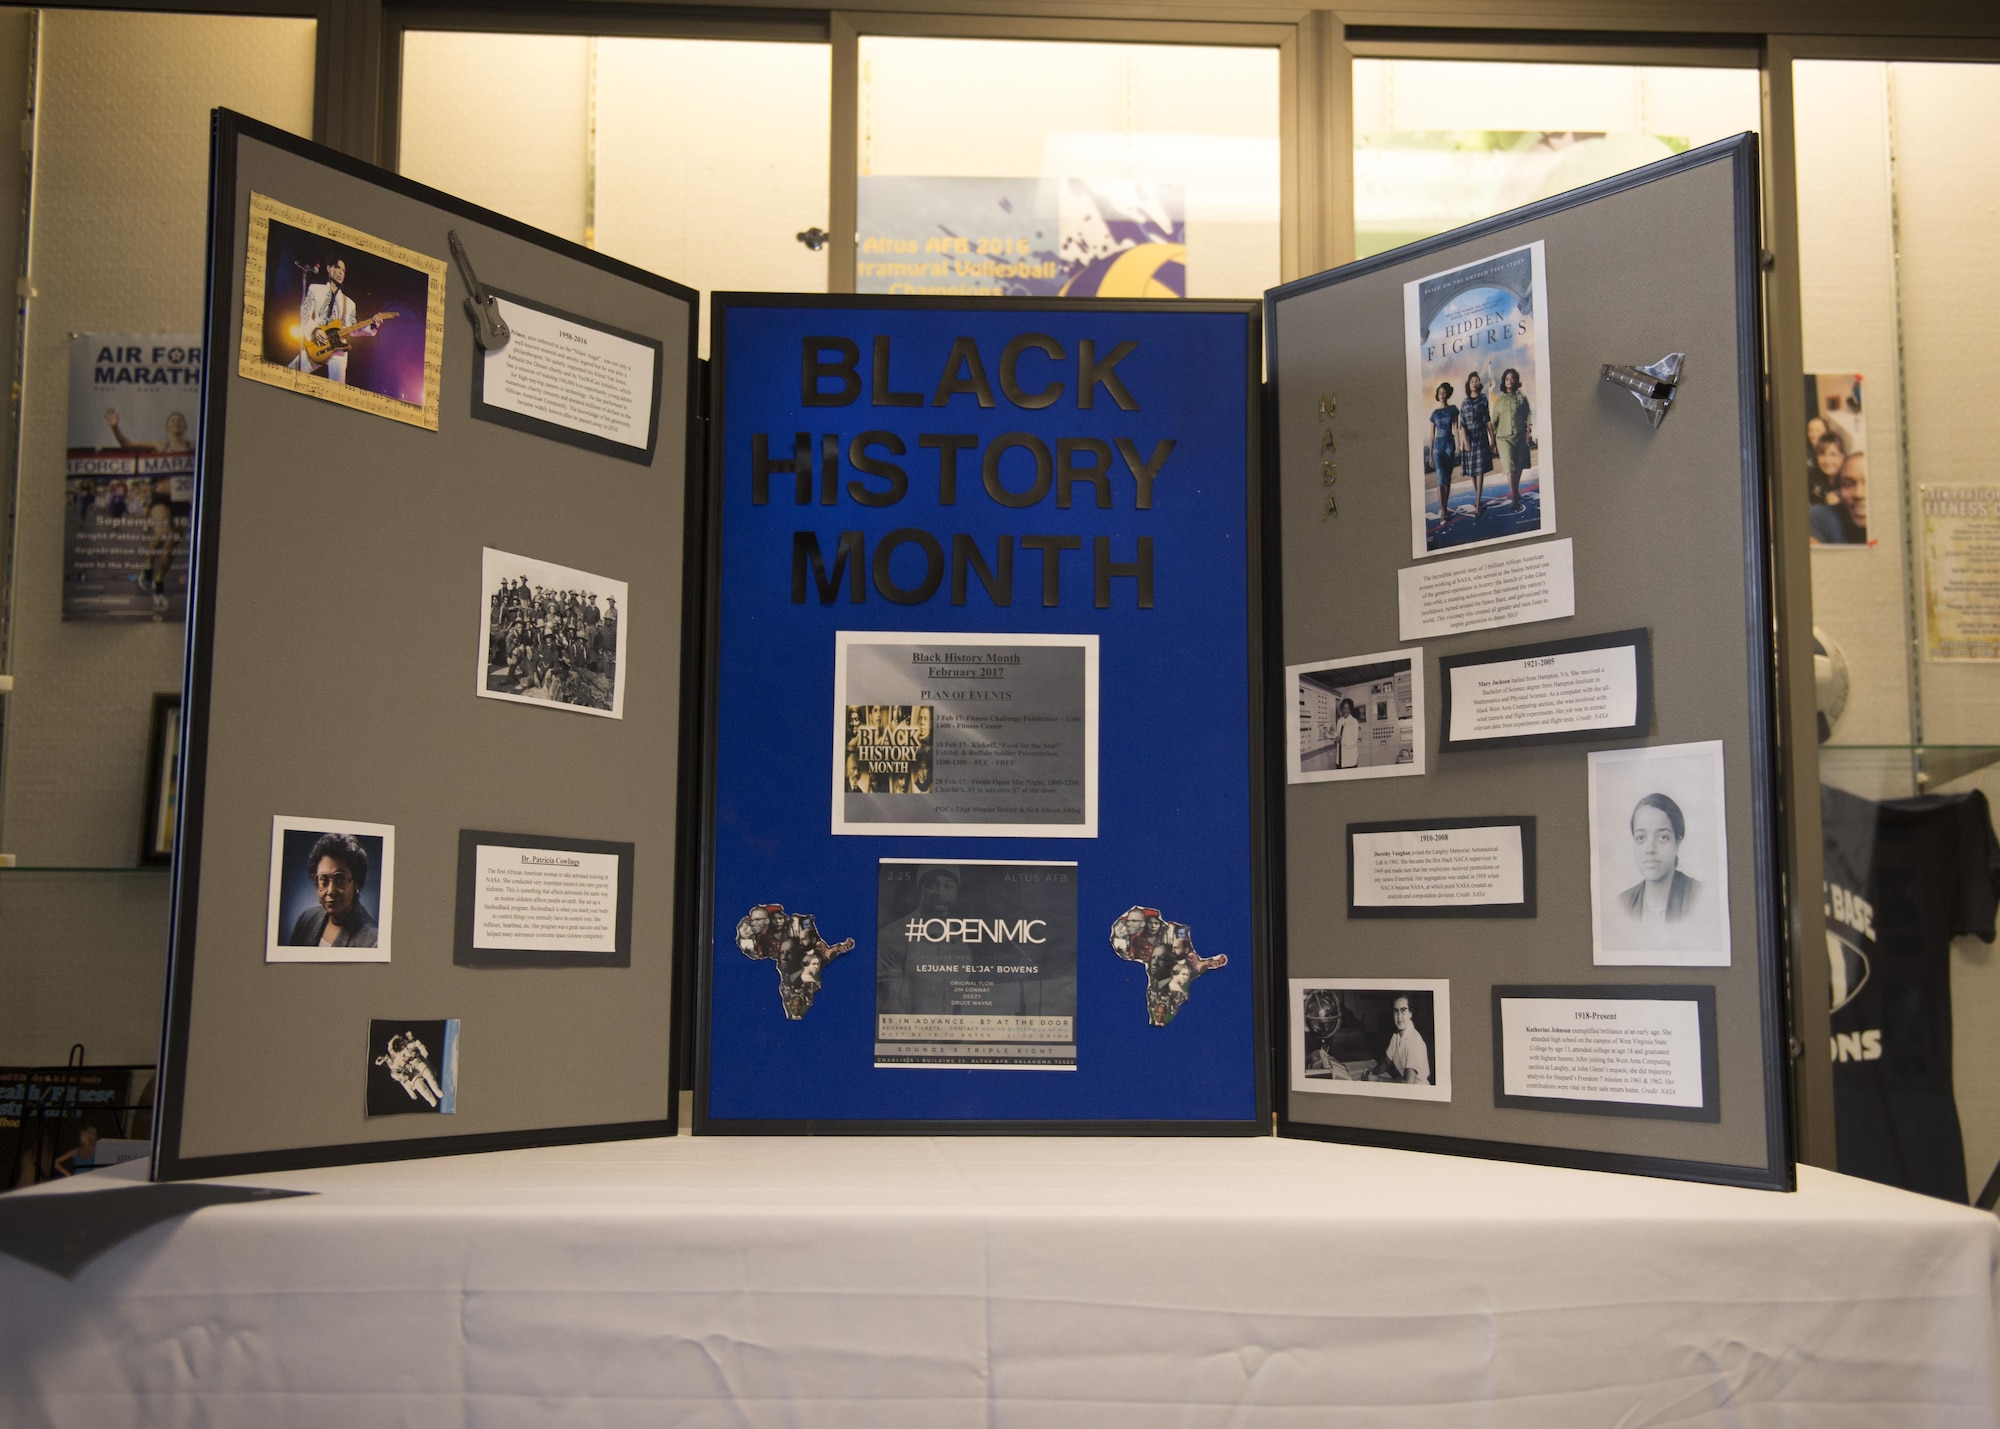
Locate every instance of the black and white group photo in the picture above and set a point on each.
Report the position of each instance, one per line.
(1372, 1037)
(551, 635)
(1659, 864)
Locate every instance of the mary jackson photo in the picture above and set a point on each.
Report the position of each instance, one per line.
(1659, 862)
(1357, 718)
(1372, 1037)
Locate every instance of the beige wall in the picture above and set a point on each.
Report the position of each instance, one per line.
(1897, 219)
(1948, 229)
(117, 244)
(695, 159)
(1847, 280)
(525, 157)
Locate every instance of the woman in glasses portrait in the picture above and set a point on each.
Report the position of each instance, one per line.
(338, 867)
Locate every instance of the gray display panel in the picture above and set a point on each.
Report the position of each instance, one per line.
(332, 677)
(1665, 525)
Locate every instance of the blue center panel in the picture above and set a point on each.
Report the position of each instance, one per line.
(1175, 774)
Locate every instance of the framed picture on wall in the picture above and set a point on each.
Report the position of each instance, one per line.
(163, 781)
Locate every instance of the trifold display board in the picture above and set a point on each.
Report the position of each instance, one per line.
(1013, 715)
(983, 805)
(1529, 834)
(427, 880)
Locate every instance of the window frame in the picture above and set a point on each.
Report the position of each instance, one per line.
(1298, 189)
(357, 103)
(599, 20)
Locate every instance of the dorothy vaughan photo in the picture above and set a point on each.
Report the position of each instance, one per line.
(1659, 861)
(1476, 345)
(550, 635)
(1357, 718)
(1372, 1037)
(339, 314)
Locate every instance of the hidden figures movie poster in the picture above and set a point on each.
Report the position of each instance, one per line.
(1476, 345)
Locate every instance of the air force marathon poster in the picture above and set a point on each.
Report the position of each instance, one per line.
(981, 744)
(134, 417)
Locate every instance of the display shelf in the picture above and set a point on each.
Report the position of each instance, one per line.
(1993, 749)
(1925, 766)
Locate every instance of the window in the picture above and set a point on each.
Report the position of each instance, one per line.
(697, 159)
(1086, 169)
(1440, 143)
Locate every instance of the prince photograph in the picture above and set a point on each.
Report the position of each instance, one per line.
(335, 313)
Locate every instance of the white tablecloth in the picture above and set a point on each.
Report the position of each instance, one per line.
(994, 1282)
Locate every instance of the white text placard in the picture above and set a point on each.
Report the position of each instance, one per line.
(1510, 587)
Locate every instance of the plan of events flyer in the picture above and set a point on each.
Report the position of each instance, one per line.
(975, 964)
(984, 735)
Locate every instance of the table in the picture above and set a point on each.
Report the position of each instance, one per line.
(938, 1282)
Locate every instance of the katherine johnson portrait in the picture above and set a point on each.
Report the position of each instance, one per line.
(331, 885)
(1372, 1037)
(1659, 871)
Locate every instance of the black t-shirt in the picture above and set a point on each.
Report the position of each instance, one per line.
(1903, 878)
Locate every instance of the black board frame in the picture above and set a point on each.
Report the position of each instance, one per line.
(1777, 1172)
(159, 760)
(223, 272)
(1257, 586)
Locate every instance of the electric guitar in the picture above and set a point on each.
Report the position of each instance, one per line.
(328, 338)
